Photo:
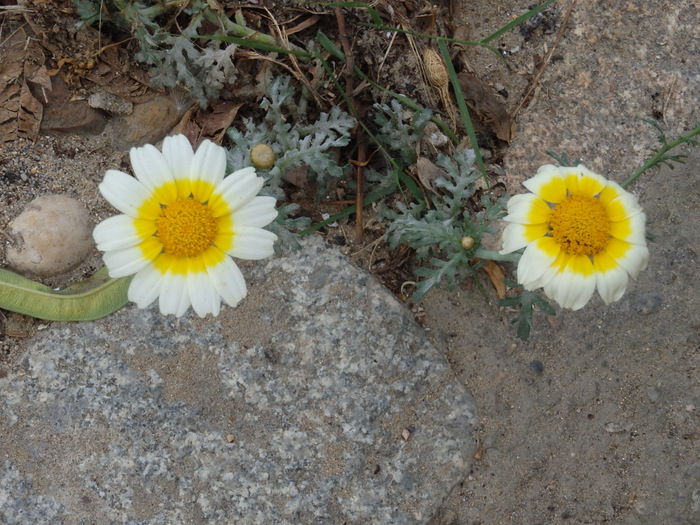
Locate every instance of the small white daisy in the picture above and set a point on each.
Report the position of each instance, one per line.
(181, 223)
(581, 232)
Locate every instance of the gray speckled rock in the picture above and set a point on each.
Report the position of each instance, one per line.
(288, 409)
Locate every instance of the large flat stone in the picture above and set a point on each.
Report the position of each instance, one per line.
(287, 409)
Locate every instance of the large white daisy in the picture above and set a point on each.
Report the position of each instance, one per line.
(580, 231)
(181, 223)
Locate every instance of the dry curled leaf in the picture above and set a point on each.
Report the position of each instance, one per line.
(480, 97)
(497, 277)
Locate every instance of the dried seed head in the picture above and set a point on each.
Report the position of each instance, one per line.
(435, 68)
(262, 156)
(437, 74)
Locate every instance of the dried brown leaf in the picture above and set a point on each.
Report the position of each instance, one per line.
(480, 97)
(428, 172)
(497, 277)
(220, 119)
(29, 115)
(20, 112)
(188, 126)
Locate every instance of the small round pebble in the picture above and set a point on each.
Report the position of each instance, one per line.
(53, 235)
(537, 365)
(648, 303)
(653, 395)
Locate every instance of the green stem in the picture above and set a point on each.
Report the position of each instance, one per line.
(659, 155)
(497, 256)
(232, 28)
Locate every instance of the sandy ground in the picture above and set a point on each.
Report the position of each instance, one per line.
(595, 418)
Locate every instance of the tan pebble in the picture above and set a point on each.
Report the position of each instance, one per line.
(53, 235)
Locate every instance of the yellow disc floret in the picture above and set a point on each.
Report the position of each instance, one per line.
(580, 225)
(186, 228)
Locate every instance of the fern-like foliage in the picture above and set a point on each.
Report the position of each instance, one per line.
(527, 301)
(399, 131)
(295, 142)
(203, 67)
(661, 155)
(437, 234)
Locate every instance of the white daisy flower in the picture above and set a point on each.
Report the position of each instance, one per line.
(580, 231)
(181, 223)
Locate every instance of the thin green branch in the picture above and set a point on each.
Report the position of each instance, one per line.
(659, 155)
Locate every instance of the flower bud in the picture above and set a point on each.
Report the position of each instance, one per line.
(467, 243)
(262, 156)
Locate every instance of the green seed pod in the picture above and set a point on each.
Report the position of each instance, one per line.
(262, 156)
(467, 243)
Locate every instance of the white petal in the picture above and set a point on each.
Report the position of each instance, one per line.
(590, 183)
(258, 212)
(548, 184)
(237, 189)
(205, 298)
(630, 206)
(209, 163)
(151, 168)
(535, 263)
(252, 243)
(125, 262)
(124, 192)
(116, 233)
(548, 169)
(637, 235)
(635, 260)
(145, 286)
(543, 280)
(174, 297)
(571, 289)
(520, 207)
(178, 153)
(612, 284)
(228, 281)
(513, 238)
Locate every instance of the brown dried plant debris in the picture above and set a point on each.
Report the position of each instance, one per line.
(21, 68)
(83, 57)
(480, 97)
(198, 124)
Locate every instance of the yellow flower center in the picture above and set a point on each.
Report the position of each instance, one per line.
(580, 225)
(186, 228)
